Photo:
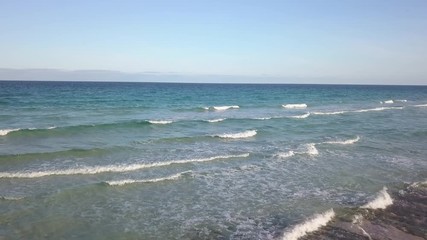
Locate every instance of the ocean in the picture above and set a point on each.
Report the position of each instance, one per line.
(93, 160)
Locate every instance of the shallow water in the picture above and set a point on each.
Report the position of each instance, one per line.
(198, 161)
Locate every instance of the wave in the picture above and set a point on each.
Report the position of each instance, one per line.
(216, 120)
(245, 134)
(387, 102)
(401, 100)
(262, 118)
(357, 111)
(376, 109)
(286, 154)
(345, 142)
(4, 132)
(111, 168)
(301, 116)
(329, 113)
(160, 121)
(311, 149)
(421, 105)
(153, 180)
(382, 200)
(310, 225)
(300, 105)
(221, 108)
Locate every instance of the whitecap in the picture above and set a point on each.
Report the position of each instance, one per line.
(329, 113)
(376, 109)
(382, 200)
(222, 108)
(401, 100)
(245, 134)
(388, 102)
(152, 180)
(4, 132)
(421, 105)
(262, 118)
(111, 168)
(310, 225)
(299, 105)
(301, 116)
(286, 154)
(216, 120)
(311, 149)
(345, 142)
(160, 121)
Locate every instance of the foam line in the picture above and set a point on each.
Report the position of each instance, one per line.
(301, 116)
(153, 180)
(223, 108)
(111, 168)
(216, 120)
(345, 142)
(382, 200)
(310, 225)
(160, 121)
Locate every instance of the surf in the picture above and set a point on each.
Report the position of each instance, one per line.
(312, 224)
(90, 170)
(382, 201)
(299, 106)
(152, 180)
(245, 134)
(344, 142)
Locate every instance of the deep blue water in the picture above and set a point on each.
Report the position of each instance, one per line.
(86, 160)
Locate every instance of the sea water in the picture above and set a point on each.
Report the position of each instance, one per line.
(85, 160)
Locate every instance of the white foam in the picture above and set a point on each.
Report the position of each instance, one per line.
(111, 168)
(382, 200)
(245, 134)
(286, 154)
(388, 102)
(329, 113)
(216, 120)
(11, 198)
(153, 180)
(4, 132)
(311, 149)
(376, 109)
(310, 225)
(421, 105)
(222, 108)
(301, 116)
(299, 105)
(345, 142)
(262, 118)
(160, 121)
(53, 127)
(401, 100)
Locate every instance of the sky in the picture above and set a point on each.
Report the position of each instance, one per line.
(300, 41)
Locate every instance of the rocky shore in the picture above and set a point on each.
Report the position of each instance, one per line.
(404, 219)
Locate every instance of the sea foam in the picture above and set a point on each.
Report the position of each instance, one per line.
(311, 149)
(160, 121)
(223, 108)
(421, 105)
(345, 142)
(376, 109)
(299, 105)
(382, 200)
(216, 120)
(286, 154)
(310, 225)
(4, 132)
(301, 116)
(153, 180)
(329, 113)
(245, 134)
(111, 168)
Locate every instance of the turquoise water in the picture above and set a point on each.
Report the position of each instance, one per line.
(198, 161)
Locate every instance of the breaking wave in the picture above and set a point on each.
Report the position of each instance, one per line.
(160, 121)
(310, 225)
(300, 105)
(376, 109)
(286, 154)
(221, 108)
(421, 105)
(216, 120)
(111, 168)
(4, 132)
(329, 113)
(382, 200)
(311, 149)
(301, 116)
(345, 142)
(245, 134)
(153, 180)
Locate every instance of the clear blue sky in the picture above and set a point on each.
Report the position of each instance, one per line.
(374, 41)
